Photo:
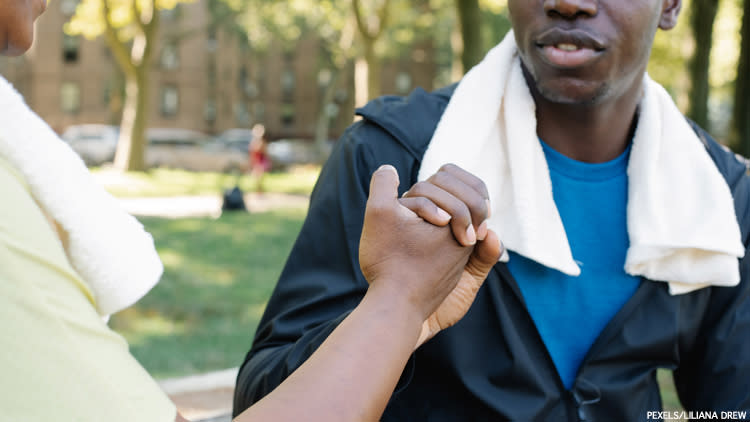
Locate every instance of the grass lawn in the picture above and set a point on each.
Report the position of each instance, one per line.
(218, 276)
(170, 182)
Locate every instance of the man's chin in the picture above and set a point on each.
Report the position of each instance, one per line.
(573, 94)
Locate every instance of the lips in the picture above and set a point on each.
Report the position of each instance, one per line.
(568, 49)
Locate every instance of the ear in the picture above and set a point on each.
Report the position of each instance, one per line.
(669, 13)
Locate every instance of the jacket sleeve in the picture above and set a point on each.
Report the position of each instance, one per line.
(715, 374)
(321, 281)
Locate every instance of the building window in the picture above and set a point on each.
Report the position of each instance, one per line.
(70, 97)
(403, 83)
(169, 59)
(68, 7)
(287, 85)
(287, 115)
(259, 110)
(209, 110)
(107, 93)
(170, 101)
(241, 114)
(70, 48)
(211, 41)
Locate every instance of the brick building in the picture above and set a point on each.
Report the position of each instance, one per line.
(202, 79)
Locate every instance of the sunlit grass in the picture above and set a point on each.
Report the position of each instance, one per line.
(170, 182)
(219, 273)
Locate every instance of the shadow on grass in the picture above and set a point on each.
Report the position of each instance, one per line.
(218, 276)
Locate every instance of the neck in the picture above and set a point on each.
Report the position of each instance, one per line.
(592, 133)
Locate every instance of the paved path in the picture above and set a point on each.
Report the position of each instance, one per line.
(208, 205)
(204, 397)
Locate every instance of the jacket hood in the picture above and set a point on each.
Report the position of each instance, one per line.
(411, 120)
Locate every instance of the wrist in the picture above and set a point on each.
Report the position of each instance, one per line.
(389, 300)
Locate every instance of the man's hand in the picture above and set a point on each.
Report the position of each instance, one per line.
(407, 257)
(465, 197)
(403, 255)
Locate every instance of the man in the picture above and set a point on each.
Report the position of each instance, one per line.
(621, 218)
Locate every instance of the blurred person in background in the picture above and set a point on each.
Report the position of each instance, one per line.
(260, 163)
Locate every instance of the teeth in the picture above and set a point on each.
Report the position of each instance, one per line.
(567, 47)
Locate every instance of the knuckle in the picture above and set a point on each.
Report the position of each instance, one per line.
(462, 214)
(479, 185)
(441, 178)
(478, 206)
(418, 190)
(423, 203)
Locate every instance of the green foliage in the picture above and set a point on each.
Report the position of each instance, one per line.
(287, 21)
(89, 17)
(218, 277)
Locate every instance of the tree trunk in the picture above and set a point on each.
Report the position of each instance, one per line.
(469, 20)
(361, 78)
(373, 71)
(742, 87)
(131, 145)
(702, 19)
(324, 120)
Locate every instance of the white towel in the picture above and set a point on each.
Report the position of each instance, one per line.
(106, 246)
(680, 214)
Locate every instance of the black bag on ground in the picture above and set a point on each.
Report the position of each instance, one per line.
(233, 200)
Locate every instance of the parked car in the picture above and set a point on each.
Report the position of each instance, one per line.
(238, 139)
(95, 143)
(286, 152)
(191, 150)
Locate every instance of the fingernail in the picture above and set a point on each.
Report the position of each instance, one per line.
(471, 235)
(443, 215)
(489, 208)
(388, 167)
(482, 230)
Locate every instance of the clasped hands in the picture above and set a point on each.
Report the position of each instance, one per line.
(429, 250)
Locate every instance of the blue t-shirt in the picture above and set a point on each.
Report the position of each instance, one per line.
(571, 312)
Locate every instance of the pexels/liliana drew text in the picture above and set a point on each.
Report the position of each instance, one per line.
(697, 415)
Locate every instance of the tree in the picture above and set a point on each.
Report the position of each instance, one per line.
(702, 17)
(371, 24)
(469, 23)
(130, 29)
(741, 125)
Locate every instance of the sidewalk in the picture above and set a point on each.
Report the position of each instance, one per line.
(204, 397)
(207, 205)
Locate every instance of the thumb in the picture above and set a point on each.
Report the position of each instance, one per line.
(383, 186)
(485, 255)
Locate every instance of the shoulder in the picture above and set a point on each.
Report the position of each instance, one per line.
(409, 120)
(736, 171)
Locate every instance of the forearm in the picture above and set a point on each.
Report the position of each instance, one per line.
(271, 364)
(353, 373)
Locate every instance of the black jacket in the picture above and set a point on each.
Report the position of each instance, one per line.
(492, 365)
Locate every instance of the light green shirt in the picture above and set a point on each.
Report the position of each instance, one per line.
(59, 360)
